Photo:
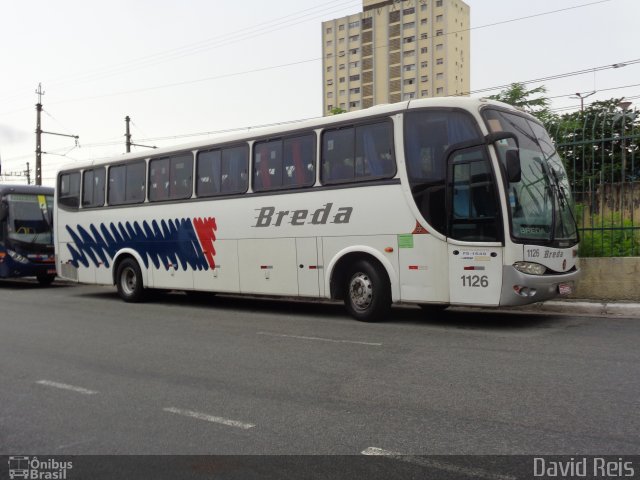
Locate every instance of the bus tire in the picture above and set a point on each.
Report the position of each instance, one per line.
(129, 281)
(46, 279)
(367, 294)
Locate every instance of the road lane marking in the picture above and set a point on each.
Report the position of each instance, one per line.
(437, 464)
(321, 339)
(209, 418)
(65, 386)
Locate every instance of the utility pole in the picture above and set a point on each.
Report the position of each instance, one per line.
(39, 133)
(127, 137)
(28, 174)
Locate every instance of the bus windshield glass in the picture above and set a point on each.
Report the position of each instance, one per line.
(540, 203)
(30, 218)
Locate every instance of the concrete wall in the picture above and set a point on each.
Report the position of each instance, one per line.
(609, 279)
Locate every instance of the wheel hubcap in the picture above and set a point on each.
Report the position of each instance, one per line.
(128, 281)
(361, 291)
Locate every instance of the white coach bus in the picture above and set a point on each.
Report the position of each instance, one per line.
(436, 202)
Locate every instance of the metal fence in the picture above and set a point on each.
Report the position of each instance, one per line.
(600, 151)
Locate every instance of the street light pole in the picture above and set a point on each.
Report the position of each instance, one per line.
(582, 97)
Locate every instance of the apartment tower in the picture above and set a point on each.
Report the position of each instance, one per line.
(395, 50)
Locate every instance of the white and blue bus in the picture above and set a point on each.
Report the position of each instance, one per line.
(436, 202)
(26, 233)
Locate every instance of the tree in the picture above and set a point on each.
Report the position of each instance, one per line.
(336, 111)
(518, 96)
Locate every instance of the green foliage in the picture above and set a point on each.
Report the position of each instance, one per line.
(518, 96)
(608, 237)
(337, 111)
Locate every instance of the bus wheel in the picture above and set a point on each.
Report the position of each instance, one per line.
(45, 279)
(129, 281)
(368, 293)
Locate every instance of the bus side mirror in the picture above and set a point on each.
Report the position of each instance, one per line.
(514, 169)
(4, 210)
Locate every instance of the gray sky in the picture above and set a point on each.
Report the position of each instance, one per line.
(193, 66)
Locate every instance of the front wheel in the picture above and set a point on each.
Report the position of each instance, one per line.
(129, 281)
(367, 296)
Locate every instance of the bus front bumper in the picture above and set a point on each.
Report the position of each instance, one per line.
(522, 289)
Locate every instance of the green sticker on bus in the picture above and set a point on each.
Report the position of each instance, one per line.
(405, 240)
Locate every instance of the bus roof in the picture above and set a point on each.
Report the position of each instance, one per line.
(6, 189)
(247, 133)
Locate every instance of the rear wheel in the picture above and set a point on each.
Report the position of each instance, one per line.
(367, 294)
(129, 281)
(46, 279)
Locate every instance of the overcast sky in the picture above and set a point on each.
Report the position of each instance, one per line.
(193, 66)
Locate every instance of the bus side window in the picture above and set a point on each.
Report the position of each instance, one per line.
(299, 161)
(235, 165)
(337, 156)
(93, 188)
(158, 179)
(69, 189)
(135, 182)
(374, 151)
(208, 173)
(266, 171)
(181, 176)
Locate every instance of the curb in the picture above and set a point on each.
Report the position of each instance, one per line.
(583, 307)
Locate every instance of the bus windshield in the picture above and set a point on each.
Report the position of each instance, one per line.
(540, 203)
(30, 218)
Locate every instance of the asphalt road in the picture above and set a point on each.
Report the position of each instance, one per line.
(81, 372)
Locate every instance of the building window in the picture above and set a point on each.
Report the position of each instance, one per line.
(342, 92)
(355, 24)
(439, 47)
(354, 91)
(329, 94)
(340, 28)
(329, 108)
(423, 21)
(354, 78)
(439, 33)
(409, 11)
(409, 68)
(367, 22)
(424, 36)
(424, 93)
(341, 41)
(410, 53)
(329, 68)
(409, 25)
(438, 3)
(329, 55)
(329, 82)
(423, 7)
(439, 61)
(439, 18)
(329, 43)
(329, 30)
(355, 64)
(410, 39)
(424, 78)
(354, 38)
(424, 50)
(409, 81)
(354, 51)
(424, 64)
(355, 104)
(409, 96)
(439, 90)
(341, 80)
(341, 66)
(440, 76)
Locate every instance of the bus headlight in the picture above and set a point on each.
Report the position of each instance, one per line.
(17, 257)
(530, 268)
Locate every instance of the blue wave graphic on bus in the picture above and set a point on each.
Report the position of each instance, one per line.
(169, 243)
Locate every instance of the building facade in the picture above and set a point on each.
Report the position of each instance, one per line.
(395, 50)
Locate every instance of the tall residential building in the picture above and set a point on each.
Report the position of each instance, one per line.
(395, 50)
